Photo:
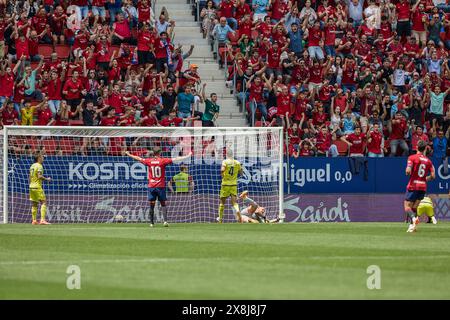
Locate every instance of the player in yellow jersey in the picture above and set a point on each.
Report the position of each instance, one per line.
(426, 207)
(37, 194)
(230, 171)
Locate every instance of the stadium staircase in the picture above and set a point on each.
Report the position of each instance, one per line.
(187, 32)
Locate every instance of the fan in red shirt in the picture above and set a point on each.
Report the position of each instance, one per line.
(9, 114)
(172, 120)
(374, 142)
(283, 104)
(157, 180)
(143, 11)
(421, 170)
(44, 115)
(356, 141)
(399, 127)
(73, 89)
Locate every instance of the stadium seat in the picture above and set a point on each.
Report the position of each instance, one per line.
(342, 147)
(63, 51)
(45, 50)
(258, 123)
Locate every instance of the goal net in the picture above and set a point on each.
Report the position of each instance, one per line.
(94, 181)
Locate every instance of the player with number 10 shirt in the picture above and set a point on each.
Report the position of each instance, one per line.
(157, 180)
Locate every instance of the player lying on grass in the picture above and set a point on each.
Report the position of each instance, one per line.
(37, 194)
(230, 171)
(253, 212)
(156, 180)
(421, 170)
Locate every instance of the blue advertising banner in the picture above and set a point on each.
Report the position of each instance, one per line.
(102, 175)
(335, 175)
(105, 175)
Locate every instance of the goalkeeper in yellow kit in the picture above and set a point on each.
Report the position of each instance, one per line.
(37, 194)
(230, 171)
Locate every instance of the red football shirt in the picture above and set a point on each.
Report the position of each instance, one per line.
(157, 171)
(421, 167)
(357, 143)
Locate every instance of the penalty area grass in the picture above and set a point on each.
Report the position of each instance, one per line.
(225, 261)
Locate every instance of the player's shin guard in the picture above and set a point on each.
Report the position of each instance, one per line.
(43, 211)
(34, 210)
(221, 209)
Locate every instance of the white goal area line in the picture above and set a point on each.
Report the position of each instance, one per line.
(177, 260)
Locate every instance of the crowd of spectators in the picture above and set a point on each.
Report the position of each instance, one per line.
(96, 63)
(344, 77)
(359, 77)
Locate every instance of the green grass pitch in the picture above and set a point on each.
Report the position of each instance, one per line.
(228, 261)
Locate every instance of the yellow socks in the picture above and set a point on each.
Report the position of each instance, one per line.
(221, 209)
(43, 211)
(34, 210)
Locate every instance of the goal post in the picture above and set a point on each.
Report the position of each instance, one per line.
(94, 181)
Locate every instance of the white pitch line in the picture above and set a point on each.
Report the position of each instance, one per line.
(250, 259)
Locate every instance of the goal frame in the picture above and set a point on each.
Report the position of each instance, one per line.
(8, 130)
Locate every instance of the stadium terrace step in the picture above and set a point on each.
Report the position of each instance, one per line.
(187, 33)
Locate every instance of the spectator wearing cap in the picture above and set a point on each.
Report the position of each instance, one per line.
(296, 36)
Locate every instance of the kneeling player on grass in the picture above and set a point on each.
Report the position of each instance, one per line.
(420, 169)
(426, 207)
(230, 171)
(156, 180)
(37, 194)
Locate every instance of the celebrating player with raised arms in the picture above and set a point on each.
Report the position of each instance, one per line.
(420, 169)
(230, 171)
(157, 180)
